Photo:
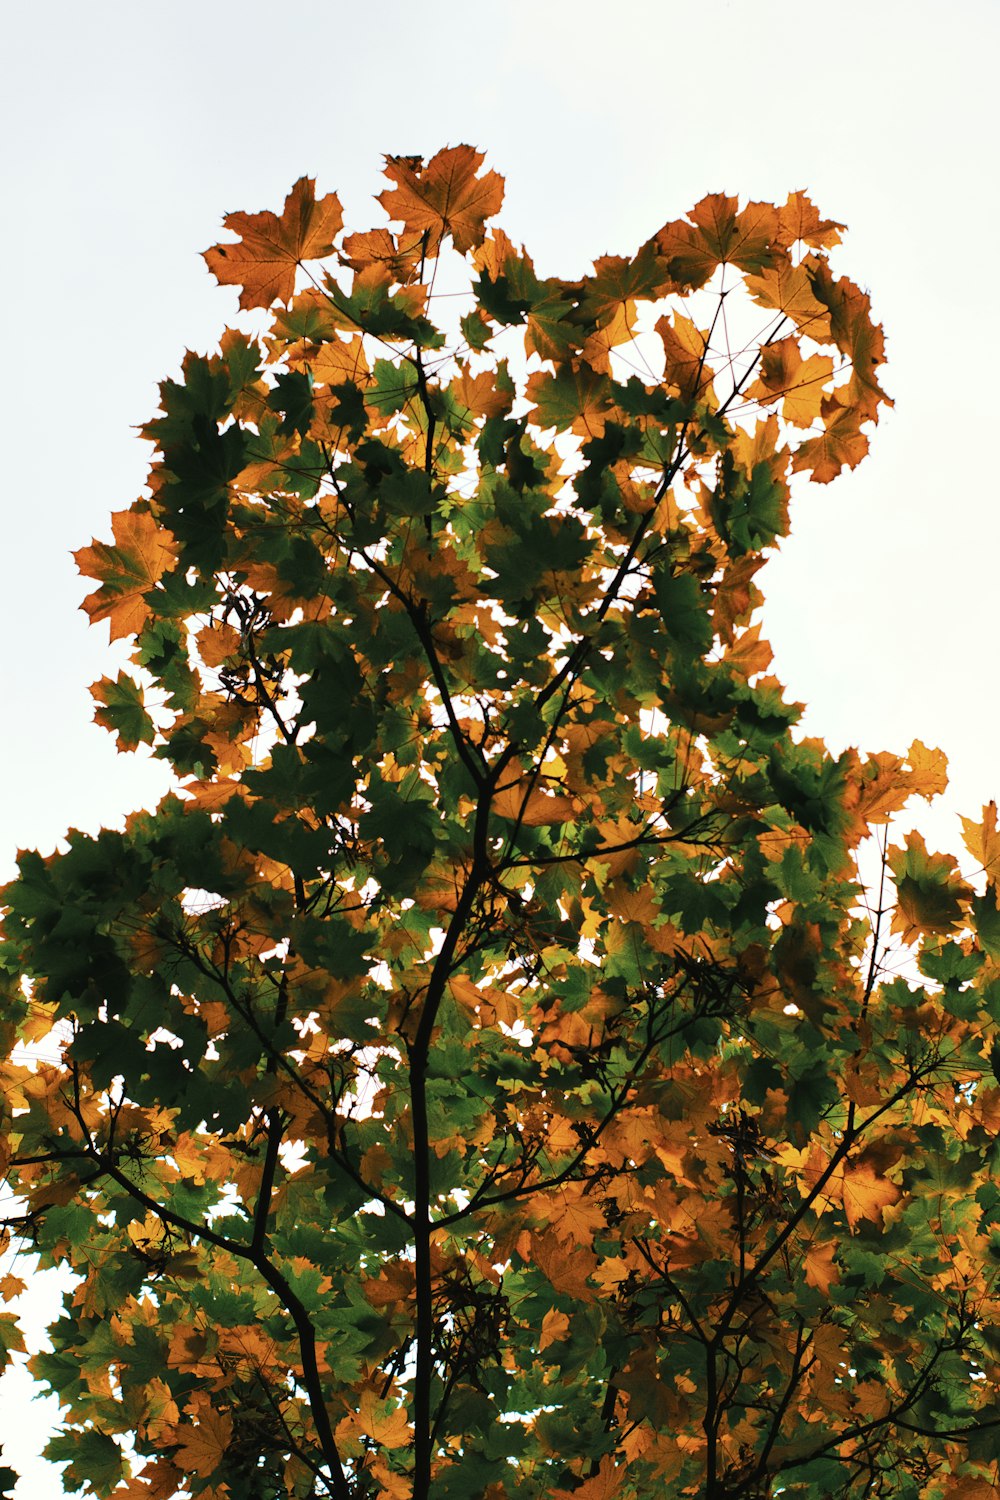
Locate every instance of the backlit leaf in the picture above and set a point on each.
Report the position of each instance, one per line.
(128, 569)
(445, 196)
(269, 248)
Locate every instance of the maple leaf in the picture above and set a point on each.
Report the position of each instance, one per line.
(791, 290)
(821, 1269)
(121, 709)
(11, 1338)
(718, 234)
(202, 1446)
(555, 1327)
(841, 445)
(385, 1421)
(445, 196)
(970, 1487)
(799, 384)
(606, 1484)
(526, 802)
(867, 1194)
(566, 1268)
(128, 569)
(799, 221)
(575, 397)
(618, 282)
(928, 769)
(931, 894)
(983, 841)
(264, 259)
(685, 347)
(95, 1459)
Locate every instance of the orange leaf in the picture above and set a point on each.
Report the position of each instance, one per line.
(799, 384)
(555, 1326)
(140, 556)
(685, 347)
(264, 259)
(565, 1266)
(203, 1445)
(443, 197)
(748, 654)
(719, 235)
(384, 1421)
(843, 444)
(216, 642)
(867, 1194)
(799, 220)
(788, 289)
(969, 1487)
(821, 1268)
(617, 330)
(605, 1484)
(340, 362)
(531, 805)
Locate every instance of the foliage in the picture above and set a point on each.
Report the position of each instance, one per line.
(481, 1076)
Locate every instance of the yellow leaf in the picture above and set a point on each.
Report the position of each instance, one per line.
(685, 347)
(930, 771)
(983, 841)
(798, 384)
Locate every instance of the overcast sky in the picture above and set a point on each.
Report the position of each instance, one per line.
(130, 129)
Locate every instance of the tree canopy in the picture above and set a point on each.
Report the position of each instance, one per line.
(489, 1072)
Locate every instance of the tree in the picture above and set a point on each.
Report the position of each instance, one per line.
(487, 1074)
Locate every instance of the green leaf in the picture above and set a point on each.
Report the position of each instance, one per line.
(95, 1462)
(121, 708)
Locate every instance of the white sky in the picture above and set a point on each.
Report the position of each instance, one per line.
(127, 130)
